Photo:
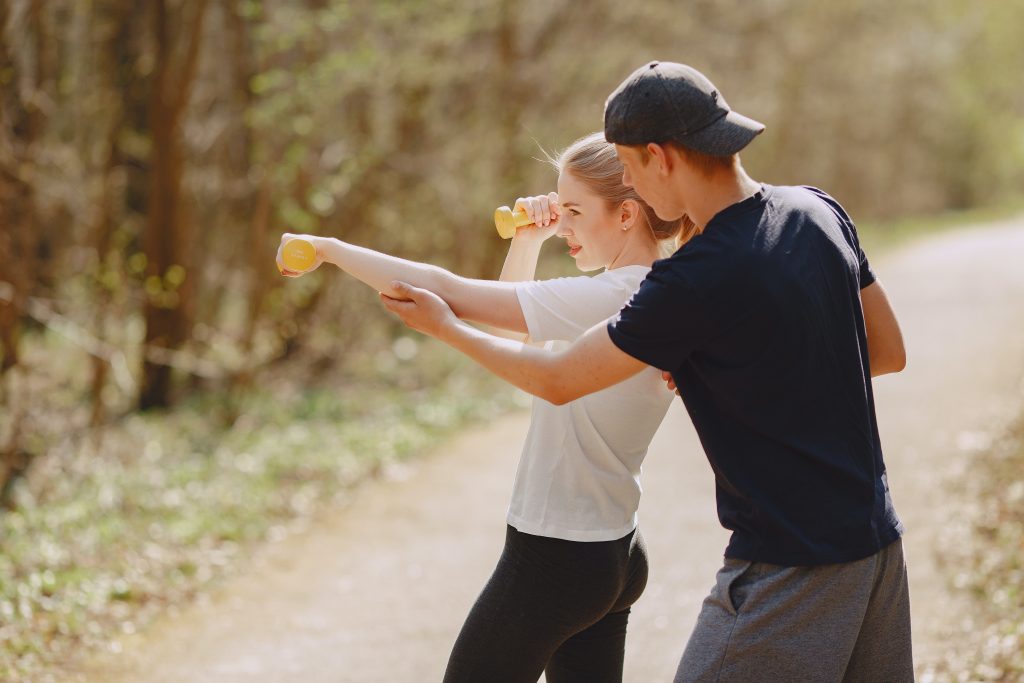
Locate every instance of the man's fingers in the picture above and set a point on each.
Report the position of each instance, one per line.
(397, 306)
(406, 290)
(671, 383)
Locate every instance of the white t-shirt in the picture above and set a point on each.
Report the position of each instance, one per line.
(579, 474)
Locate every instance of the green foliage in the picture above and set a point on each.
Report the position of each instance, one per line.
(401, 125)
(157, 507)
(398, 125)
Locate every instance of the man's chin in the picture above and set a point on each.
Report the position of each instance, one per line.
(667, 214)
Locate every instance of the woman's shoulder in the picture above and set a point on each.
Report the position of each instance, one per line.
(626, 275)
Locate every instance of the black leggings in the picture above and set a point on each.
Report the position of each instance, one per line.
(552, 606)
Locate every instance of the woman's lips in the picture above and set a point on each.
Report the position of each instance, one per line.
(574, 250)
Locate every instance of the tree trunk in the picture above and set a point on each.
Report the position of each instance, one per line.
(23, 117)
(167, 236)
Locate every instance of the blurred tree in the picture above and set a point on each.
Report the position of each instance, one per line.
(151, 154)
(26, 102)
(169, 288)
(116, 92)
(26, 83)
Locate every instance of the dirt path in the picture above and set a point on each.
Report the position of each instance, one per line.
(378, 591)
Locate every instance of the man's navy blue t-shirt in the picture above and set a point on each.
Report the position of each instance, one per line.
(759, 320)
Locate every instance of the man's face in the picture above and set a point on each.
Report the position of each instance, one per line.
(641, 172)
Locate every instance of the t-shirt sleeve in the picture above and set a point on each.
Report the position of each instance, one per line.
(565, 308)
(867, 275)
(663, 322)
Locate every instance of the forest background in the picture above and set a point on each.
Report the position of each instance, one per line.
(166, 397)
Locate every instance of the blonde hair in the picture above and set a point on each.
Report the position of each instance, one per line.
(592, 160)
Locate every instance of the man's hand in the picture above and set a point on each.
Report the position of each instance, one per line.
(420, 309)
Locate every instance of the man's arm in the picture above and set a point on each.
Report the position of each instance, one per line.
(885, 340)
(592, 363)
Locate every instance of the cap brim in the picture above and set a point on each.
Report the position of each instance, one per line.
(726, 136)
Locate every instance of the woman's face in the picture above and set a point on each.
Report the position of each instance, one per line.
(592, 231)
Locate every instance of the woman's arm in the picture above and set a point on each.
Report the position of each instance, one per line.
(484, 301)
(524, 250)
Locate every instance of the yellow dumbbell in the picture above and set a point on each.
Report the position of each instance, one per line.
(298, 255)
(507, 221)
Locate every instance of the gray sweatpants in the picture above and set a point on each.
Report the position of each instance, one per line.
(842, 622)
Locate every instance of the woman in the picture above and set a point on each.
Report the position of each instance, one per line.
(574, 562)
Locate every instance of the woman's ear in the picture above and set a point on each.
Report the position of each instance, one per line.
(628, 212)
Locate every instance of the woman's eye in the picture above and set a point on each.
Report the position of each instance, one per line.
(574, 212)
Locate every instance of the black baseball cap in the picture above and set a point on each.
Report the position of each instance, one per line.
(670, 102)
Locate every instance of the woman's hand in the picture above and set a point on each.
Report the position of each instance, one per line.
(545, 212)
(669, 382)
(317, 243)
(420, 309)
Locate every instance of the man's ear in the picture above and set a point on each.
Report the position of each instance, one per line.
(662, 156)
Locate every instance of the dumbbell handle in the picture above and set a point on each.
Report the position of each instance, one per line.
(507, 221)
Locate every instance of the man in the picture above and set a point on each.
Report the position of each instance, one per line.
(770, 324)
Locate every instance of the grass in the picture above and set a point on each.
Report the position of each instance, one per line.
(987, 548)
(113, 529)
